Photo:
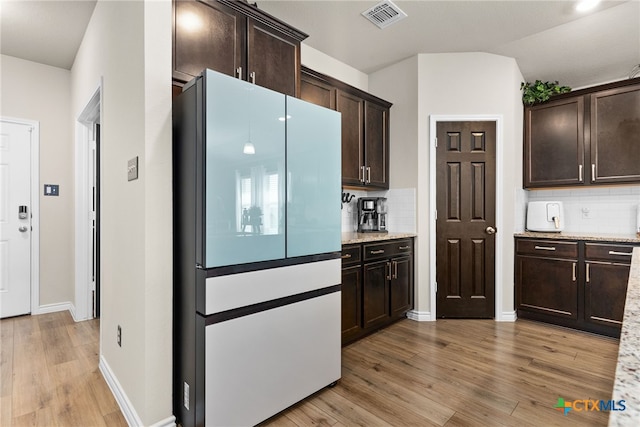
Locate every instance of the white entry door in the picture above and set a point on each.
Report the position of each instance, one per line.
(15, 219)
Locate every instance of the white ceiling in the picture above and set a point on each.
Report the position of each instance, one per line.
(48, 32)
(549, 40)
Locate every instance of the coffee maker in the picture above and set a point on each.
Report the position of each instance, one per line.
(372, 214)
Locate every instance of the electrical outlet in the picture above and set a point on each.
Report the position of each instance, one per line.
(119, 337)
(185, 395)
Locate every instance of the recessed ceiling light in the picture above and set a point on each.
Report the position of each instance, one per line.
(585, 5)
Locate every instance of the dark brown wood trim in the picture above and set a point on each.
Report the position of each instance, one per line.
(340, 85)
(252, 11)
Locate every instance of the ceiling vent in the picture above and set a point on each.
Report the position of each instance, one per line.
(384, 14)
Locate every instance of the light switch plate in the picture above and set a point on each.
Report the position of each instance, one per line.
(132, 169)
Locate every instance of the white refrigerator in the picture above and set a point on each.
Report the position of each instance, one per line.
(257, 224)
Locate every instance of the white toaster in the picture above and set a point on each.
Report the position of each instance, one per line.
(545, 216)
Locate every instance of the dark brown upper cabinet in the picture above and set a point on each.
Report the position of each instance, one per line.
(554, 143)
(615, 135)
(365, 128)
(586, 137)
(237, 39)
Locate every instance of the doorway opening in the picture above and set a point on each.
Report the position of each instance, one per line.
(87, 261)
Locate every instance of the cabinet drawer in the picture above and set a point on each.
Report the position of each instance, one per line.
(608, 252)
(387, 249)
(550, 248)
(351, 254)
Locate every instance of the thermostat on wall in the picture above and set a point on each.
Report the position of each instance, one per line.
(132, 169)
(51, 190)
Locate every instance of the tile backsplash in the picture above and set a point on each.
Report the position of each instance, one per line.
(401, 205)
(609, 210)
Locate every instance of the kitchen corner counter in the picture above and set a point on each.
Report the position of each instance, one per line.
(619, 238)
(627, 381)
(354, 238)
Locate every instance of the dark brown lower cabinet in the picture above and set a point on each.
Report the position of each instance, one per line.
(401, 286)
(377, 286)
(548, 286)
(605, 293)
(351, 297)
(375, 306)
(578, 284)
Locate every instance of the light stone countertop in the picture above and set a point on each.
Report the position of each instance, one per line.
(620, 238)
(350, 238)
(627, 382)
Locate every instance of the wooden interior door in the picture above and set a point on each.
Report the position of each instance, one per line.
(465, 225)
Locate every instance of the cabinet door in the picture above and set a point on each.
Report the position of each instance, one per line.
(351, 108)
(554, 143)
(317, 92)
(375, 293)
(244, 172)
(605, 292)
(207, 35)
(547, 286)
(376, 147)
(615, 127)
(273, 58)
(351, 302)
(313, 179)
(401, 286)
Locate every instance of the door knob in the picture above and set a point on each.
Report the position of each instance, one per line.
(23, 229)
(490, 230)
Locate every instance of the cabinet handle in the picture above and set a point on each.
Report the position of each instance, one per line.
(402, 248)
(368, 175)
(574, 272)
(588, 279)
(346, 256)
(593, 172)
(395, 269)
(252, 76)
(620, 253)
(378, 252)
(362, 170)
(239, 72)
(545, 248)
(580, 173)
(387, 270)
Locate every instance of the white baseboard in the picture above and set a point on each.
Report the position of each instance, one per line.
(420, 316)
(52, 308)
(507, 316)
(167, 422)
(128, 411)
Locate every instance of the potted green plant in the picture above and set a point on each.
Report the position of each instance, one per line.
(540, 91)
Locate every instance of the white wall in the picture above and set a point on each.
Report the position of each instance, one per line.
(128, 45)
(325, 64)
(42, 93)
(607, 210)
(452, 84)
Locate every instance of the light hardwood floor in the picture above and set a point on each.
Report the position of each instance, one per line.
(447, 373)
(464, 373)
(49, 374)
